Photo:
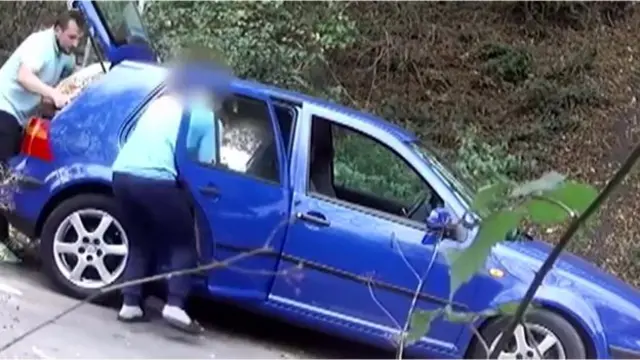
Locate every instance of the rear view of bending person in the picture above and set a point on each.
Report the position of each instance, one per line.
(156, 210)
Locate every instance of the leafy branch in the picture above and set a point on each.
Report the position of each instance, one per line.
(546, 267)
(502, 207)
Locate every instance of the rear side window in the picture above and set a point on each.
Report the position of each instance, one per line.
(248, 140)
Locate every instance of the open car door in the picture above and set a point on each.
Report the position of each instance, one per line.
(117, 27)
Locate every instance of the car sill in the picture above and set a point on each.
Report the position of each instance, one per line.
(617, 352)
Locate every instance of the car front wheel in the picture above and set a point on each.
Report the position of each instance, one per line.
(83, 246)
(547, 336)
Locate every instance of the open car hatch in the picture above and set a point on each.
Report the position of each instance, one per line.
(117, 28)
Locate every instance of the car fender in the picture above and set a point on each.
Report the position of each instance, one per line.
(565, 303)
(66, 181)
(75, 173)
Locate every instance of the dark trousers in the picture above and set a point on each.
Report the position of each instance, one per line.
(10, 138)
(159, 223)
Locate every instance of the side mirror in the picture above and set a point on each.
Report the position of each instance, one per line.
(438, 224)
(469, 221)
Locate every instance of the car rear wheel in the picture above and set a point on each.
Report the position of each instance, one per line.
(547, 335)
(83, 246)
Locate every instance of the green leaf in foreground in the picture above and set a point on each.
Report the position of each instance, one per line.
(510, 308)
(463, 264)
(459, 317)
(420, 324)
(544, 212)
(464, 317)
(573, 195)
(546, 182)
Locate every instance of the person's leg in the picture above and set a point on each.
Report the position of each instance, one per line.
(174, 223)
(10, 137)
(135, 218)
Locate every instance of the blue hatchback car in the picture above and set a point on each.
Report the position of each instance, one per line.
(339, 257)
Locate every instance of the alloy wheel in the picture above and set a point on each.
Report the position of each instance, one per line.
(536, 343)
(90, 248)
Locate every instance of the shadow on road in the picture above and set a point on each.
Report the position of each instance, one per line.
(226, 318)
(302, 342)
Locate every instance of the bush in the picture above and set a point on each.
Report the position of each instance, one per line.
(510, 64)
(281, 43)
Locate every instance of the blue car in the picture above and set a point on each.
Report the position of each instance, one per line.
(339, 247)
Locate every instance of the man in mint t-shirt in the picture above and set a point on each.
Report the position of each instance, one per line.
(30, 75)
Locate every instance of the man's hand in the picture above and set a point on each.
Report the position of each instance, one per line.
(58, 99)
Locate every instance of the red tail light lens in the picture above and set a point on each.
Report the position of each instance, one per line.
(35, 142)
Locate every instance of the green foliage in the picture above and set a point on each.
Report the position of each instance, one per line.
(550, 100)
(278, 42)
(468, 317)
(510, 64)
(464, 264)
(482, 164)
(577, 65)
(576, 15)
(365, 165)
(419, 324)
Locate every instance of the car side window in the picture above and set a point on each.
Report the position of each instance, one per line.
(351, 166)
(248, 144)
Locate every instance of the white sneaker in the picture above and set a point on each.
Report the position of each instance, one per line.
(130, 313)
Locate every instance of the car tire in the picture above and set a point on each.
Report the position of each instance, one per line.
(538, 320)
(53, 226)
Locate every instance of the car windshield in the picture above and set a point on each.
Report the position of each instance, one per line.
(123, 21)
(452, 177)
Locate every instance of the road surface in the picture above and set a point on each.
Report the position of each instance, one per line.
(93, 332)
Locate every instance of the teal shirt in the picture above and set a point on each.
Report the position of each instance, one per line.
(39, 52)
(149, 151)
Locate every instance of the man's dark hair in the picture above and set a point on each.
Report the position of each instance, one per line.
(62, 20)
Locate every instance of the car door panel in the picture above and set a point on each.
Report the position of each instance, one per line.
(239, 213)
(359, 263)
(357, 269)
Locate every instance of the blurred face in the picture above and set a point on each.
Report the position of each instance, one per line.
(68, 38)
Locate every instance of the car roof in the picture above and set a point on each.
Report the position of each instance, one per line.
(296, 97)
(250, 86)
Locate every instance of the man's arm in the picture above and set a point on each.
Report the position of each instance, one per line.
(201, 136)
(32, 59)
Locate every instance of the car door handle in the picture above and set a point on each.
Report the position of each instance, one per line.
(313, 217)
(209, 190)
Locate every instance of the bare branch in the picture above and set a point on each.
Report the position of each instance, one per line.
(414, 301)
(481, 339)
(283, 272)
(396, 245)
(535, 343)
(116, 287)
(375, 299)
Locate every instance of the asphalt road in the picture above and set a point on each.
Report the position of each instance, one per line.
(93, 332)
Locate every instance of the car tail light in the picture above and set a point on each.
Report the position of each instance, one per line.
(35, 142)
